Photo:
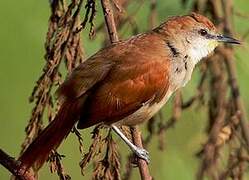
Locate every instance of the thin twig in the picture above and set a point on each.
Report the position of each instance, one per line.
(112, 31)
(109, 20)
(15, 167)
(142, 164)
(230, 65)
(228, 125)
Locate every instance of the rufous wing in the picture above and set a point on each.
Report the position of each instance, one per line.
(83, 78)
(126, 88)
(119, 79)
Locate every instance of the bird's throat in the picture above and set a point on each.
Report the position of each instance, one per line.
(201, 50)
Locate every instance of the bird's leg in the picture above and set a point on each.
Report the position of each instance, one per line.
(140, 152)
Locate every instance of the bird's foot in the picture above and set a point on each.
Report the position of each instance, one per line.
(143, 154)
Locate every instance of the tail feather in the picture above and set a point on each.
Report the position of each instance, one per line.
(51, 137)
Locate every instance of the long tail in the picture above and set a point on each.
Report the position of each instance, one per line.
(51, 137)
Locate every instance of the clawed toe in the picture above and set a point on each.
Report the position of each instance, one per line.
(143, 154)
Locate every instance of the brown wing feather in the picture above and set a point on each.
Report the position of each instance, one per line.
(117, 82)
(84, 77)
(124, 91)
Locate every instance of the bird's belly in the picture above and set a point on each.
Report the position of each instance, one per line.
(146, 112)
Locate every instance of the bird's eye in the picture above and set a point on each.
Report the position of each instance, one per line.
(203, 32)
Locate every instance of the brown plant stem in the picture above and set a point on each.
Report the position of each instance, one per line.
(238, 102)
(227, 117)
(15, 167)
(142, 164)
(230, 65)
(136, 135)
(109, 20)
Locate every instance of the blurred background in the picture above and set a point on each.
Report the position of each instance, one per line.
(22, 36)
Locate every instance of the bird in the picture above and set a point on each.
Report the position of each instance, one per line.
(128, 82)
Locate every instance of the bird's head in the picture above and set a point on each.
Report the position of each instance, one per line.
(195, 34)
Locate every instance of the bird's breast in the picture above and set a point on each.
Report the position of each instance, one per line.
(180, 72)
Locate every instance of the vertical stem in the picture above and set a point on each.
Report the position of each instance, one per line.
(153, 13)
(142, 164)
(231, 68)
(109, 20)
(112, 31)
(15, 167)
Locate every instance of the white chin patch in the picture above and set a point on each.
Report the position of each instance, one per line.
(199, 51)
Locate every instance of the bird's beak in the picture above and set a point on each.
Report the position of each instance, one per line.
(226, 39)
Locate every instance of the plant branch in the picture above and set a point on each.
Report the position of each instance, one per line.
(142, 164)
(136, 135)
(230, 65)
(109, 20)
(15, 167)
